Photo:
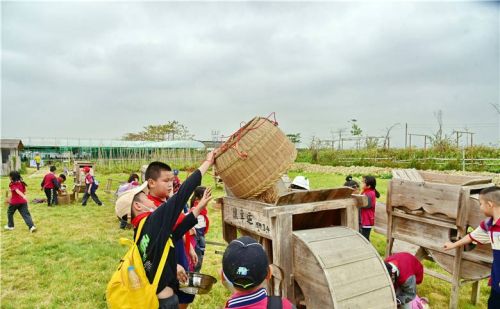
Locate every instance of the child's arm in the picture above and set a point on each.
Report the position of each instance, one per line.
(21, 194)
(186, 223)
(480, 235)
(462, 242)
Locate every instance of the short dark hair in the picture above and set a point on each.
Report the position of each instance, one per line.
(137, 198)
(53, 168)
(154, 170)
(63, 176)
(491, 194)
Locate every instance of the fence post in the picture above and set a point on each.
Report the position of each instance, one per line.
(463, 159)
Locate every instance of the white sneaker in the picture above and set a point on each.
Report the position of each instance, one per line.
(8, 228)
(33, 229)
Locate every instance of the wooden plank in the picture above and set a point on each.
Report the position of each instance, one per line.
(308, 196)
(376, 300)
(424, 220)
(475, 214)
(323, 233)
(247, 216)
(477, 187)
(472, 268)
(399, 174)
(311, 207)
(478, 181)
(229, 232)
(360, 287)
(283, 251)
(352, 213)
(414, 175)
(380, 218)
(434, 198)
(452, 179)
(455, 281)
(463, 213)
(390, 221)
(438, 247)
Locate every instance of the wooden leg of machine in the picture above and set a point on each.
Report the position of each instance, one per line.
(455, 282)
(476, 292)
(283, 253)
(277, 279)
(390, 239)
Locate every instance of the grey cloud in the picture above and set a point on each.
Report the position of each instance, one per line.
(212, 65)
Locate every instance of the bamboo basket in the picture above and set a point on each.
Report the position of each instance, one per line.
(254, 158)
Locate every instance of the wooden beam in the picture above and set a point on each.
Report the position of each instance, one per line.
(435, 274)
(455, 284)
(476, 292)
(283, 252)
(425, 220)
(310, 207)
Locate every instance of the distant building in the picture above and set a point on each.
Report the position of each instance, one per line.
(212, 144)
(11, 160)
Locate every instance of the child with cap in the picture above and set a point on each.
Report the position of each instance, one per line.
(159, 226)
(300, 183)
(90, 188)
(487, 232)
(246, 268)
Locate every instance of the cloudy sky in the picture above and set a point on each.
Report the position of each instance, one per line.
(100, 70)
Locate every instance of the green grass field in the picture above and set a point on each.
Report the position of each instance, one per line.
(68, 261)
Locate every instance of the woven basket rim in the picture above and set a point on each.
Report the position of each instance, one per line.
(230, 142)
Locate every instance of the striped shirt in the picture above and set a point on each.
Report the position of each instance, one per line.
(253, 300)
(489, 232)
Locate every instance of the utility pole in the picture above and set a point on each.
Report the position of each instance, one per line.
(406, 135)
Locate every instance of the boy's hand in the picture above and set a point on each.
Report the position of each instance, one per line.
(181, 274)
(192, 254)
(207, 196)
(211, 156)
(448, 246)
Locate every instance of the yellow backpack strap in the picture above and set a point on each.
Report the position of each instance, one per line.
(139, 229)
(162, 262)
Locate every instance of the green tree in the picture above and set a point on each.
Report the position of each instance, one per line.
(294, 138)
(172, 130)
(356, 130)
